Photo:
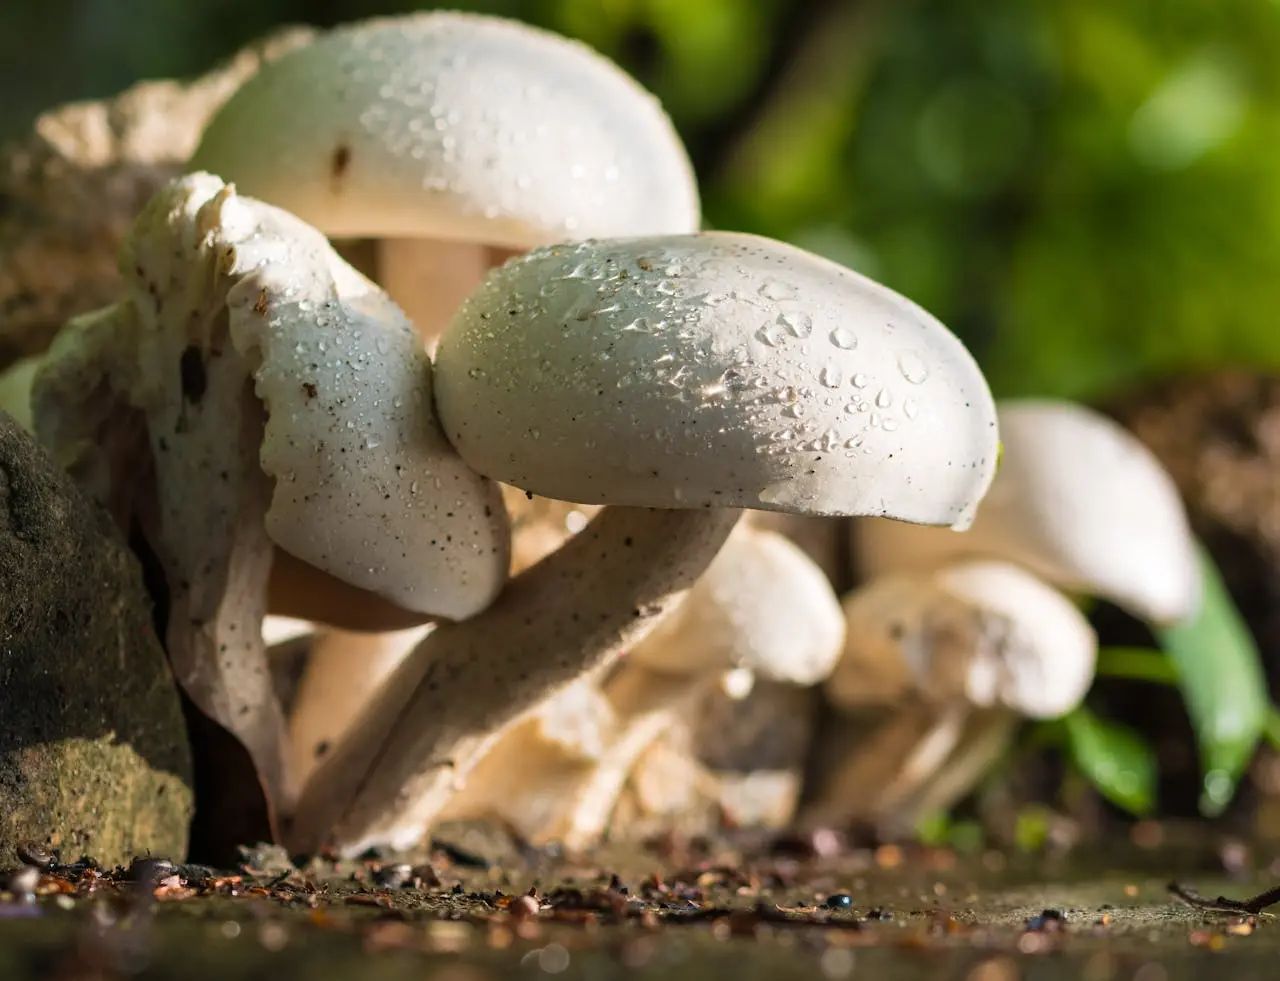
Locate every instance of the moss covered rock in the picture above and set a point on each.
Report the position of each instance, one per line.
(93, 749)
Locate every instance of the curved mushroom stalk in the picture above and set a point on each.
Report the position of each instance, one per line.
(708, 372)
(954, 652)
(343, 672)
(1079, 501)
(576, 611)
(454, 140)
(760, 606)
(269, 397)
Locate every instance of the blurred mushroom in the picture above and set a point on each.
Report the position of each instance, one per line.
(254, 402)
(761, 607)
(954, 652)
(74, 183)
(678, 378)
(455, 140)
(1080, 502)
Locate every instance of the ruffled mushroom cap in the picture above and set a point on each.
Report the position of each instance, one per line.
(268, 395)
(1079, 501)
(983, 632)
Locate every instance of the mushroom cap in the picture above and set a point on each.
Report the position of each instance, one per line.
(455, 126)
(366, 486)
(1080, 501)
(714, 370)
(983, 631)
(762, 605)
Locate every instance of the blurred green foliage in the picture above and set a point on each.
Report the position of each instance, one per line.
(1088, 192)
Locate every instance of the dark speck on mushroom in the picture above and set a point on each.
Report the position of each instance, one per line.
(192, 373)
(340, 161)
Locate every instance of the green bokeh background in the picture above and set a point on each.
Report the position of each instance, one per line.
(1087, 191)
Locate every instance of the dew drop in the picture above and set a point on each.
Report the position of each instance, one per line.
(859, 380)
(884, 398)
(844, 339)
(831, 375)
(797, 324)
(913, 367)
(910, 409)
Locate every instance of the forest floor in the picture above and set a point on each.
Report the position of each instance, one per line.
(465, 912)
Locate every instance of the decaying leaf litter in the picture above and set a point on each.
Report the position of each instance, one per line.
(479, 905)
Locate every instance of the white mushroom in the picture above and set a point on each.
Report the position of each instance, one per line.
(761, 607)
(456, 140)
(1079, 501)
(974, 640)
(254, 399)
(683, 377)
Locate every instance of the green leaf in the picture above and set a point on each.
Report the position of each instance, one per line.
(1221, 677)
(1115, 759)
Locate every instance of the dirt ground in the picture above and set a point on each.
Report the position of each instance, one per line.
(464, 912)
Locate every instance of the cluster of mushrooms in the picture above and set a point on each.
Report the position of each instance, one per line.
(552, 483)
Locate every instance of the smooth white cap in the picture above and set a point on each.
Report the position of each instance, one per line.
(762, 605)
(714, 370)
(1080, 501)
(454, 126)
(986, 632)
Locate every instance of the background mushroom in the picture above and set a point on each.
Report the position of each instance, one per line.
(1079, 501)
(253, 391)
(681, 377)
(454, 140)
(761, 607)
(958, 655)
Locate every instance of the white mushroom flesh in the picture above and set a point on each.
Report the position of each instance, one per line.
(745, 373)
(454, 122)
(1078, 500)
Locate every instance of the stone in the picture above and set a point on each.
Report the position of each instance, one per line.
(94, 756)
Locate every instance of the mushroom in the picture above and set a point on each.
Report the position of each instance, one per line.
(677, 379)
(344, 668)
(1080, 502)
(761, 607)
(254, 403)
(954, 651)
(455, 140)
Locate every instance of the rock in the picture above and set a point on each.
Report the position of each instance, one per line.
(71, 188)
(93, 748)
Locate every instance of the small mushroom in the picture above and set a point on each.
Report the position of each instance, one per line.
(455, 140)
(951, 651)
(255, 403)
(761, 607)
(676, 379)
(1079, 501)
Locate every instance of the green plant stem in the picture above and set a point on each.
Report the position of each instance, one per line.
(1137, 664)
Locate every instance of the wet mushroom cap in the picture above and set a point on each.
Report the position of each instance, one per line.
(983, 631)
(714, 370)
(366, 488)
(478, 128)
(1080, 501)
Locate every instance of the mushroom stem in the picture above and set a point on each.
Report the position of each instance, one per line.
(646, 702)
(575, 611)
(429, 278)
(343, 671)
(900, 756)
